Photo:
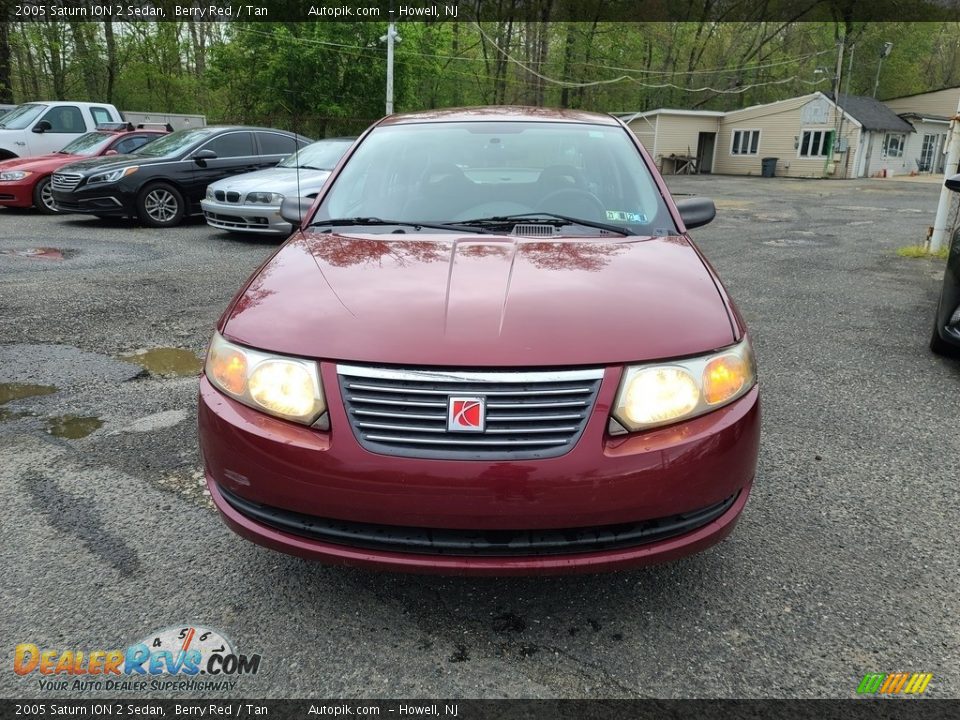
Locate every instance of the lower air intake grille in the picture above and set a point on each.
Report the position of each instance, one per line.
(491, 543)
(527, 414)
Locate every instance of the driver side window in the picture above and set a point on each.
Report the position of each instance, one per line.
(231, 145)
(65, 119)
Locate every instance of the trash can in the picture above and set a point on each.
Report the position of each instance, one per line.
(769, 167)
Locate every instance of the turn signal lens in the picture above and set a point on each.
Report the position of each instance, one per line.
(227, 367)
(283, 387)
(723, 377)
(654, 395)
(659, 394)
(286, 387)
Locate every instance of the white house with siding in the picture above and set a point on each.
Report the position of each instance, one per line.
(668, 134)
(811, 136)
(929, 113)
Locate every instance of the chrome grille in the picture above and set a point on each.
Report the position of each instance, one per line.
(528, 414)
(65, 182)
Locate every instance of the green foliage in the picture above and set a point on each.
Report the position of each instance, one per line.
(328, 78)
(921, 251)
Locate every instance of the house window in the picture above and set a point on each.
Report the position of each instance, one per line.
(893, 144)
(816, 143)
(745, 142)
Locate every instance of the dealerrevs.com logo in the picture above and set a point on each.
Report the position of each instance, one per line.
(183, 657)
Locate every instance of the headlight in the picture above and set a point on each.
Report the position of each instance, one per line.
(265, 198)
(286, 387)
(112, 175)
(209, 195)
(663, 393)
(14, 175)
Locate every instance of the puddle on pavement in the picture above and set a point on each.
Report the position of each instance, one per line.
(6, 415)
(18, 391)
(73, 427)
(43, 253)
(167, 361)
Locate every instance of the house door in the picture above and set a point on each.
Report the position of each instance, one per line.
(929, 152)
(706, 142)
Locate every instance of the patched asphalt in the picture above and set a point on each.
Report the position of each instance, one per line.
(843, 563)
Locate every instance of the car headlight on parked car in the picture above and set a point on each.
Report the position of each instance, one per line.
(14, 175)
(209, 195)
(663, 393)
(283, 386)
(112, 175)
(265, 198)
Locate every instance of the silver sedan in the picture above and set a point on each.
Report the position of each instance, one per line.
(251, 202)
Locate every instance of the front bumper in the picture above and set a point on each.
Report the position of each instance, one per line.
(245, 218)
(694, 477)
(106, 200)
(18, 193)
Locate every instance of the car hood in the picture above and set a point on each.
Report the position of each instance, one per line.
(38, 163)
(481, 301)
(108, 163)
(275, 180)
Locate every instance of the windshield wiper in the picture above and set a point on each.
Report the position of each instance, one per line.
(310, 167)
(361, 221)
(546, 218)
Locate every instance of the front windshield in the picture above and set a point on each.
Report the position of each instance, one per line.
(174, 143)
(89, 144)
(20, 117)
(322, 155)
(462, 171)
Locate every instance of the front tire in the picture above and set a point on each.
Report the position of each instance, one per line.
(160, 205)
(43, 198)
(937, 344)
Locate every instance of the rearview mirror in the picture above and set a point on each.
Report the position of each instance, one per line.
(202, 156)
(953, 183)
(42, 127)
(294, 209)
(696, 212)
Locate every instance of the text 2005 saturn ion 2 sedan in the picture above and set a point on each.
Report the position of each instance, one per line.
(491, 348)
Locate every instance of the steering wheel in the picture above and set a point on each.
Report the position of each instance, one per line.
(574, 202)
(558, 172)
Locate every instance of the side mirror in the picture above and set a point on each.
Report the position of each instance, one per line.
(202, 156)
(42, 127)
(696, 212)
(294, 209)
(953, 183)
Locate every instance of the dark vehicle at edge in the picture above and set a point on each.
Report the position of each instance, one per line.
(165, 181)
(945, 339)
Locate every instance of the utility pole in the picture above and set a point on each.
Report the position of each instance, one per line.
(939, 236)
(887, 47)
(390, 37)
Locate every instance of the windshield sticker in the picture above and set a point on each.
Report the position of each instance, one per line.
(625, 216)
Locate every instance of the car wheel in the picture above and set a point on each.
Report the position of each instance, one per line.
(43, 197)
(160, 205)
(939, 345)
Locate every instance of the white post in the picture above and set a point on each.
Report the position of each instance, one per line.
(391, 36)
(939, 238)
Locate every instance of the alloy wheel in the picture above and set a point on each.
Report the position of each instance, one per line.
(161, 205)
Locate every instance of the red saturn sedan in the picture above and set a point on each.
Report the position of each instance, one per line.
(491, 348)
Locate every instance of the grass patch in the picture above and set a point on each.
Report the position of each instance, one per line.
(919, 251)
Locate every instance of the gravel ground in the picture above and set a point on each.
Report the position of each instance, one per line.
(843, 563)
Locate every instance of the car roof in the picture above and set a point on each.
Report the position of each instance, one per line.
(500, 113)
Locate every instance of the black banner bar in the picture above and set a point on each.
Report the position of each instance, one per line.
(867, 709)
(842, 11)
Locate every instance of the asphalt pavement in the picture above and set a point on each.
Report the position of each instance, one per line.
(844, 562)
